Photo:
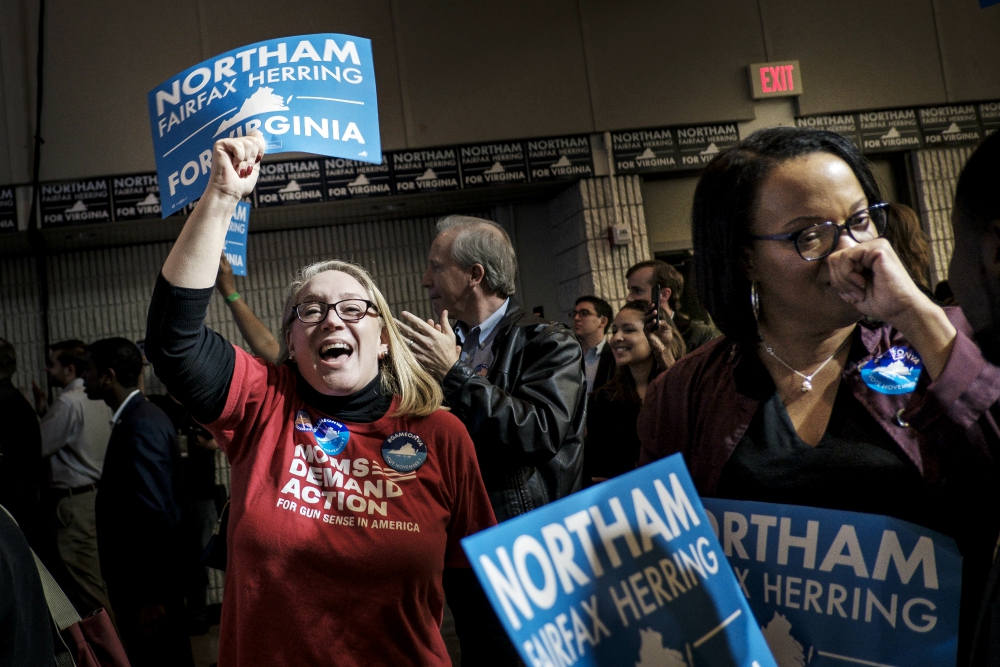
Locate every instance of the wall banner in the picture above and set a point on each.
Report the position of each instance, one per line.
(989, 116)
(290, 182)
(644, 151)
(74, 202)
(429, 170)
(311, 93)
(499, 163)
(698, 145)
(950, 125)
(627, 572)
(560, 157)
(843, 124)
(894, 130)
(832, 588)
(8, 210)
(135, 197)
(237, 237)
(350, 179)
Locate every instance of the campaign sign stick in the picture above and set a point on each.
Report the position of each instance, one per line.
(832, 588)
(236, 239)
(312, 93)
(627, 572)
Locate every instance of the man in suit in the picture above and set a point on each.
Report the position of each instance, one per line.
(591, 319)
(138, 510)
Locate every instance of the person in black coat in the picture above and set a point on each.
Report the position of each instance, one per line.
(139, 510)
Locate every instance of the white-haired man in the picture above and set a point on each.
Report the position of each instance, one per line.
(516, 381)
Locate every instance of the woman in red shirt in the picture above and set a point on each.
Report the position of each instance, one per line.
(351, 488)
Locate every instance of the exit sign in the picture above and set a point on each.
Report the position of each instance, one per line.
(778, 79)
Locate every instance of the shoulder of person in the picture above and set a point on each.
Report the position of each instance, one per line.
(717, 353)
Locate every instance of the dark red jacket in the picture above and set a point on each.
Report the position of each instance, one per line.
(703, 405)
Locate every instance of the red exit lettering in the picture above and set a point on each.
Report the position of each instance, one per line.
(777, 79)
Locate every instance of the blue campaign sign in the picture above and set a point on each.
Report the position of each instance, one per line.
(627, 572)
(839, 588)
(312, 93)
(236, 239)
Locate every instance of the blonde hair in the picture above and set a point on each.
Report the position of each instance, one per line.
(419, 393)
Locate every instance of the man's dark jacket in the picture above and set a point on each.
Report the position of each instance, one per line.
(138, 504)
(527, 416)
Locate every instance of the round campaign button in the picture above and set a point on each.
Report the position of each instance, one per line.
(895, 372)
(404, 451)
(302, 422)
(331, 436)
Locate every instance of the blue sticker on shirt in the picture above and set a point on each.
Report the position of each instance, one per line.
(302, 422)
(895, 372)
(331, 436)
(404, 451)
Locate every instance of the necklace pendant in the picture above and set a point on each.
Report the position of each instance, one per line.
(806, 386)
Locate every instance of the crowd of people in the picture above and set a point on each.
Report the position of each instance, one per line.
(805, 272)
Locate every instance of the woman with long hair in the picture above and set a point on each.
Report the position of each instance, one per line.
(351, 488)
(612, 445)
(838, 383)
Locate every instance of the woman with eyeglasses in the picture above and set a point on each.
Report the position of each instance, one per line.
(838, 382)
(351, 488)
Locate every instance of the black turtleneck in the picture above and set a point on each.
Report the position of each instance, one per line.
(362, 407)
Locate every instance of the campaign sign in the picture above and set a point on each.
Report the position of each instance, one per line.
(950, 125)
(989, 116)
(312, 93)
(493, 164)
(644, 151)
(889, 131)
(425, 171)
(236, 239)
(135, 197)
(698, 145)
(560, 157)
(627, 572)
(8, 211)
(290, 182)
(845, 125)
(840, 588)
(75, 202)
(346, 179)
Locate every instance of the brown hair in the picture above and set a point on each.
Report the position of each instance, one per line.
(910, 242)
(664, 275)
(419, 394)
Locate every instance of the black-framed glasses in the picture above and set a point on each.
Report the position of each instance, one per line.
(818, 241)
(348, 310)
(583, 312)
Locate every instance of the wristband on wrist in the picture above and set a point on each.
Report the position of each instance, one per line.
(232, 297)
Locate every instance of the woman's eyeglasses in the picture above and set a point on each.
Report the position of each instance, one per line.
(348, 310)
(818, 241)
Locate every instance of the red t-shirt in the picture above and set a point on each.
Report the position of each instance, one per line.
(336, 551)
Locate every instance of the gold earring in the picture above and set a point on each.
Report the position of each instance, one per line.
(755, 300)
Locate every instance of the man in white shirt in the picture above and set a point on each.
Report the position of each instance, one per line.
(75, 433)
(591, 320)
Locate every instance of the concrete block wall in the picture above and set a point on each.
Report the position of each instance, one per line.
(585, 262)
(936, 173)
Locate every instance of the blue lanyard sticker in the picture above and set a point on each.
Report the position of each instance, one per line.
(331, 436)
(895, 372)
(404, 451)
